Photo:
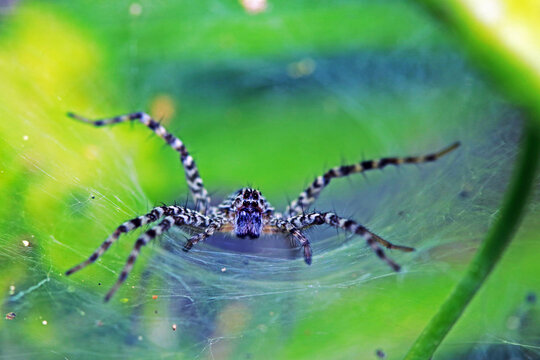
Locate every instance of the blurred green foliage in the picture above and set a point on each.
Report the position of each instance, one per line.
(268, 100)
(503, 37)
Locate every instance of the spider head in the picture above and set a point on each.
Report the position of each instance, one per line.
(249, 206)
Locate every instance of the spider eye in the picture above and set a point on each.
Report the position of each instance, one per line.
(238, 202)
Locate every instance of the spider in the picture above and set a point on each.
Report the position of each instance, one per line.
(246, 213)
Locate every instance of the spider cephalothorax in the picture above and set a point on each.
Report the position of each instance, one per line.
(249, 207)
(246, 213)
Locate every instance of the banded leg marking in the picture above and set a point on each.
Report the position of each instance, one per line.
(193, 179)
(209, 231)
(308, 196)
(297, 235)
(127, 226)
(141, 241)
(307, 220)
(188, 217)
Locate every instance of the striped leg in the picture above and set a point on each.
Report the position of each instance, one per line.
(194, 181)
(188, 218)
(308, 196)
(209, 231)
(128, 226)
(307, 220)
(297, 235)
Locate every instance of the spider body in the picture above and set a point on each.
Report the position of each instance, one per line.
(246, 213)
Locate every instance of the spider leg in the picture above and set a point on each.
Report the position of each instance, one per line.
(297, 235)
(128, 226)
(307, 220)
(308, 196)
(188, 218)
(194, 180)
(209, 231)
(141, 241)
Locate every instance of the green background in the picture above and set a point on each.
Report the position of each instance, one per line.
(271, 101)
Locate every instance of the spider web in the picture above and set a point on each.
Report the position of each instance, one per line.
(261, 101)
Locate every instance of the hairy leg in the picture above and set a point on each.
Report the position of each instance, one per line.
(191, 219)
(194, 180)
(214, 226)
(307, 220)
(128, 226)
(308, 196)
(297, 235)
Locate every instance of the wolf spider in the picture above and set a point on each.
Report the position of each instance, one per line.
(246, 213)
